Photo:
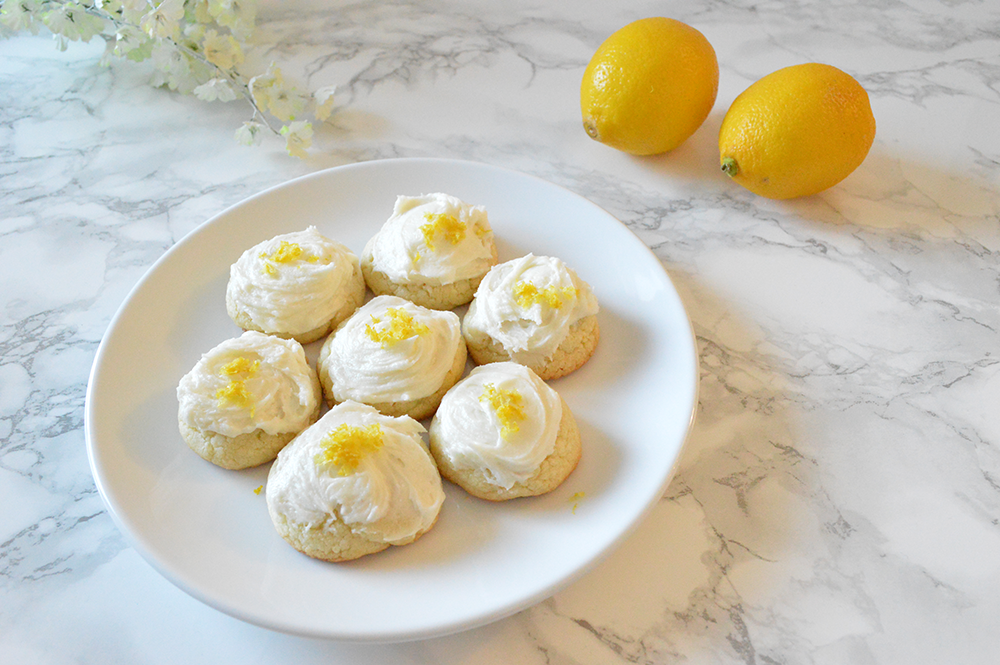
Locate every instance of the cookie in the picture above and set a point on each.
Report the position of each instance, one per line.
(534, 311)
(297, 285)
(353, 484)
(502, 433)
(394, 355)
(246, 398)
(433, 251)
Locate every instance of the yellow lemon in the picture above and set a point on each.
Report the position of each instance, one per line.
(797, 131)
(649, 86)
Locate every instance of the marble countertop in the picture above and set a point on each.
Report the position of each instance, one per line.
(838, 499)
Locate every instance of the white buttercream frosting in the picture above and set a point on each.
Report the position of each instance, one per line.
(528, 304)
(254, 381)
(410, 365)
(433, 239)
(391, 494)
(288, 290)
(471, 434)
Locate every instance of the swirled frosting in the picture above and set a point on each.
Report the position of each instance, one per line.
(254, 381)
(294, 282)
(528, 304)
(501, 419)
(433, 239)
(389, 489)
(391, 350)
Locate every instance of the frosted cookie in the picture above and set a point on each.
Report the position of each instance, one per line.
(433, 250)
(502, 433)
(246, 398)
(353, 484)
(394, 355)
(535, 311)
(299, 285)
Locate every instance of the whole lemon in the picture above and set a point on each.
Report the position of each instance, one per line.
(797, 131)
(649, 86)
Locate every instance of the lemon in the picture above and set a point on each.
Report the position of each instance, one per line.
(797, 131)
(649, 86)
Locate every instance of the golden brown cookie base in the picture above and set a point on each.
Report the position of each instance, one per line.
(570, 355)
(553, 470)
(237, 452)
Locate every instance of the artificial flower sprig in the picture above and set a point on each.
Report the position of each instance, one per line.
(196, 47)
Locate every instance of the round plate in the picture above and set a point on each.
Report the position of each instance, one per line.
(206, 529)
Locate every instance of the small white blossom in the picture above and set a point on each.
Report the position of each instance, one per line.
(250, 133)
(298, 137)
(215, 89)
(324, 101)
(22, 15)
(164, 20)
(223, 51)
(72, 22)
(271, 92)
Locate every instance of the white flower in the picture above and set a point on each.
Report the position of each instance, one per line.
(128, 38)
(72, 22)
(21, 15)
(237, 15)
(216, 89)
(271, 92)
(324, 101)
(222, 50)
(164, 20)
(250, 133)
(298, 137)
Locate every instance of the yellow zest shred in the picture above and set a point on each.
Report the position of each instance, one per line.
(527, 294)
(240, 365)
(447, 226)
(258, 490)
(286, 252)
(401, 326)
(575, 499)
(508, 405)
(347, 445)
(235, 393)
(238, 369)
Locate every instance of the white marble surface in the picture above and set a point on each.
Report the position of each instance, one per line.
(839, 498)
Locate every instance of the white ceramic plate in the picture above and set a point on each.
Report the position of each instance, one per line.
(208, 532)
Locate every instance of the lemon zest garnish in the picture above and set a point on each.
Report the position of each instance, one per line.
(439, 223)
(286, 252)
(507, 404)
(347, 445)
(575, 499)
(415, 258)
(235, 393)
(401, 326)
(481, 231)
(527, 294)
(258, 490)
(239, 365)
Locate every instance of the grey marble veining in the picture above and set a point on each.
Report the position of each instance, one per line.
(839, 497)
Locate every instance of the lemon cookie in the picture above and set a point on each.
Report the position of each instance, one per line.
(353, 484)
(299, 285)
(536, 311)
(246, 398)
(502, 433)
(394, 355)
(433, 251)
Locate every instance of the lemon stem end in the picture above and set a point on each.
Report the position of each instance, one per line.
(730, 167)
(591, 128)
